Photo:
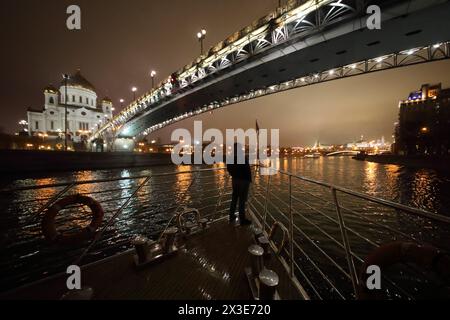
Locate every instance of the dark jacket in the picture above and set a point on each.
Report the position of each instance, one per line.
(240, 171)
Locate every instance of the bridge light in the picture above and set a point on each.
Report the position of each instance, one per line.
(354, 66)
(437, 45)
(331, 72)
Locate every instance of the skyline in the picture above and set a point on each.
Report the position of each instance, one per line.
(300, 122)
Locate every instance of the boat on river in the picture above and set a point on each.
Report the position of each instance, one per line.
(313, 156)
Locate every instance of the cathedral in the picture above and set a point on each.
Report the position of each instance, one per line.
(85, 113)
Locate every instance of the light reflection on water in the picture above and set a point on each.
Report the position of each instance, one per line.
(25, 256)
(423, 188)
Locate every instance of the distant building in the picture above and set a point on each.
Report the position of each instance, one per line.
(84, 112)
(424, 122)
(375, 145)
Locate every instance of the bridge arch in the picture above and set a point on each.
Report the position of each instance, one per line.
(327, 37)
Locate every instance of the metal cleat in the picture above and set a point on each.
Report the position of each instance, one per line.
(257, 263)
(265, 244)
(142, 249)
(268, 283)
(189, 227)
(170, 236)
(204, 223)
(257, 233)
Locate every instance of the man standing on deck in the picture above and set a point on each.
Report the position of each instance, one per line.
(242, 178)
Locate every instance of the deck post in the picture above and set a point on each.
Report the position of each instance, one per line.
(268, 283)
(257, 262)
(350, 262)
(266, 203)
(291, 228)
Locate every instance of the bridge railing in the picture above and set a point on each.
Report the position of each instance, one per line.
(222, 55)
(295, 21)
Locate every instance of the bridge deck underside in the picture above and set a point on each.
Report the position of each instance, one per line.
(323, 52)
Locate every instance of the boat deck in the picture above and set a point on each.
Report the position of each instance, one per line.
(211, 266)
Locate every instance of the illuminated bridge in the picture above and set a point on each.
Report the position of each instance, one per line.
(343, 153)
(301, 44)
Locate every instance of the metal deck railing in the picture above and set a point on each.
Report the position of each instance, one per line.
(331, 229)
(133, 205)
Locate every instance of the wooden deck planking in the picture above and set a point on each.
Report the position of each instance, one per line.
(210, 266)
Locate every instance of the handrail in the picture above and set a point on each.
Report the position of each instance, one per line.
(388, 203)
(350, 262)
(122, 208)
(119, 211)
(178, 207)
(83, 182)
(265, 192)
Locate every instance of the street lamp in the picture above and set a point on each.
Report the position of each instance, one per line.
(201, 35)
(134, 90)
(24, 125)
(66, 78)
(153, 74)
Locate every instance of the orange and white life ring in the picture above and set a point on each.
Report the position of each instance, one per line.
(48, 223)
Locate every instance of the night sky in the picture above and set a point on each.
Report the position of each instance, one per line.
(121, 41)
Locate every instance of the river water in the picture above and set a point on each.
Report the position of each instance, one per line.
(25, 256)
